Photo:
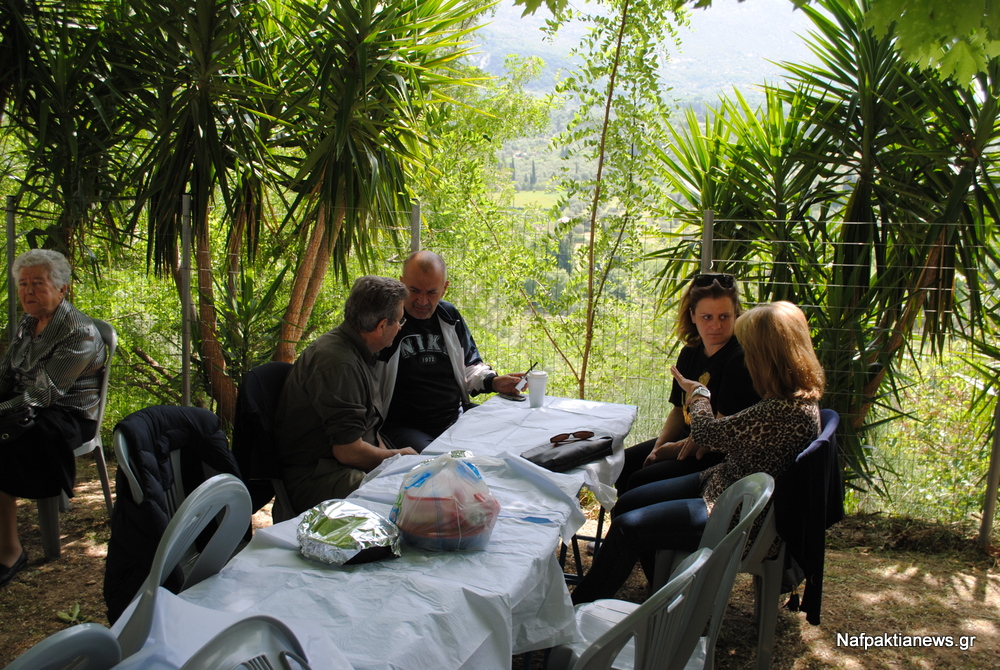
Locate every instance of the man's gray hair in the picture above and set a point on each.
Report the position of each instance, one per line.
(53, 261)
(373, 299)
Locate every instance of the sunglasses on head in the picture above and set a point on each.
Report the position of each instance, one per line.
(706, 279)
(567, 437)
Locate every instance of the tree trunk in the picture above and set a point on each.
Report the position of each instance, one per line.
(307, 284)
(592, 297)
(904, 325)
(220, 385)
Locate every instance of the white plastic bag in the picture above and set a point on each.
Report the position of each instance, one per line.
(444, 505)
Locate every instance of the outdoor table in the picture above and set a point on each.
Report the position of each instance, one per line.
(501, 425)
(425, 610)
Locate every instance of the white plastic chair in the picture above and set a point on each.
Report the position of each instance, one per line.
(255, 642)
(223, 496)
(49, 508)
(747, 498)
(615, 629)
(88, 646)
(174, 496)
(688, 648)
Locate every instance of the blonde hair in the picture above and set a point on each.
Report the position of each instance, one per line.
(779, 352)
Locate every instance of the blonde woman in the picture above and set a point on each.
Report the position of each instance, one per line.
(765, 437)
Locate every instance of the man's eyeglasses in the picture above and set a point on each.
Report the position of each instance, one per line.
(402, 321)
(569, 437)
(706, 279)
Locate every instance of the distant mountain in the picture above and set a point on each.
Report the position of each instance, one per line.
(730, 44)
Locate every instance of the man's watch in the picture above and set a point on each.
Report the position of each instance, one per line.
(701, 391)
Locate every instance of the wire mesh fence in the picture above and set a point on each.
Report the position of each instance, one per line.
(520, 281)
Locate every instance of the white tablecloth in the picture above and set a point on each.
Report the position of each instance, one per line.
(501, 425)
(425, 610)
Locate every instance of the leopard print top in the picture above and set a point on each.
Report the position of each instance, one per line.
(765, 437)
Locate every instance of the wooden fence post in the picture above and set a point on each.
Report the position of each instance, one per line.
(415, 227)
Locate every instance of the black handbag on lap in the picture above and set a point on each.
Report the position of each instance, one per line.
(563, 455)
(13, 426)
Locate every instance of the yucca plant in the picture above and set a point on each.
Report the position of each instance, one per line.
(863, 191)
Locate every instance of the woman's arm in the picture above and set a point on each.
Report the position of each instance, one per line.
(707, 430)
(55, 375)
(673, 427)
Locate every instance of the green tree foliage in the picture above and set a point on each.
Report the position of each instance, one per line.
(957, 37)
(849, 188)
(619, 115)
(467, 198)
(293, 126)
(465, 136)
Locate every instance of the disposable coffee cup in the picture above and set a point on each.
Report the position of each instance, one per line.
(536, 387)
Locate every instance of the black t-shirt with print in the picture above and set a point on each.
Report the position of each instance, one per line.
(426, 396)
(724, 373)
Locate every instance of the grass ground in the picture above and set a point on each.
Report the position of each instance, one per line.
(883, 576)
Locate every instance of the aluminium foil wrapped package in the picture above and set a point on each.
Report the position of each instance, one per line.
(339, 532)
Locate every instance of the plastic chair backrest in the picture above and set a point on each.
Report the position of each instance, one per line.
(741, 497)
(110, 338)
(749, 496)
(653, 625)
(88, 646)
(255, 642)
(174, 496)
(224, 494)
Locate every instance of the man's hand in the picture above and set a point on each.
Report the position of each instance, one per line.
(507, 384)
(364, 456)
(406, 451)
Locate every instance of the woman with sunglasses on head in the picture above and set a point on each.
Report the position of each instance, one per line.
(711, 355)
(671, 514)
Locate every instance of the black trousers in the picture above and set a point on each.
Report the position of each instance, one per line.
(40, 463)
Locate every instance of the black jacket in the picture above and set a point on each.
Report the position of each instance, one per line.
(151, 435)
(254, 440)
(808, 499)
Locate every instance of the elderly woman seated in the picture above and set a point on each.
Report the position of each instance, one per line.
(53, 367)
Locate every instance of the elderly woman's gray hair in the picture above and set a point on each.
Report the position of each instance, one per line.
(373, 299)
(53, 261)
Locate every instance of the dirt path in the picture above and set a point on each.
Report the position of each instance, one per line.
(882, 579)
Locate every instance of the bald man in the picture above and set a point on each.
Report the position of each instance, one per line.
(433, 367)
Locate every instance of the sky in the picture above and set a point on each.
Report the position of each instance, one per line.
(730, 43)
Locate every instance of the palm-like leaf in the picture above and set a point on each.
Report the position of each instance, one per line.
(869, 196)
(364, 72)
(64, 109)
